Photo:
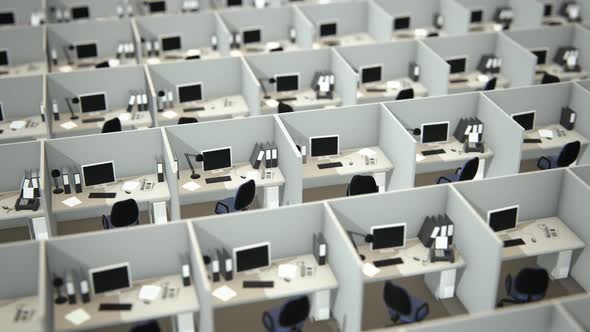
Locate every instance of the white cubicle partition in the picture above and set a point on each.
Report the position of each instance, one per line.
(345, 84)
(202, 283)
(304, 29)
(23, 9)
(96, 9)
(290, 165)
(577, 306)
(25, 46)
(224, 36)
(527, 13)
(456, 17)
(380, 22)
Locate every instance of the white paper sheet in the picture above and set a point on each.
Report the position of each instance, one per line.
(72, 201)
(287, 271)
(370, 270)
(224, 293)
(149, 292)
(191, 186)
(68, 125)
(169, 114)
(77, 316)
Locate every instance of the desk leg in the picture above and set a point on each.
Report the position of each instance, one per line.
(320, 305)
(441, 284)
(271, 197)
(558, 264)
(184, 323)
(41, 230)
(380, 180)
(158, 213)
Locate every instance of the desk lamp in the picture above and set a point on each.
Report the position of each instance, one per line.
(198, 158)
(270, 81)
(76, 101)
(55, 174)
(368, 239)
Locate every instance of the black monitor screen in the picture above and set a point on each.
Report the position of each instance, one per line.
(401, 23)
(252, 258)
(436, 132)
(541, 56)
(3, 58)
(189, 93)
(324, 146)
(110, 280)
(231, 3)
(252, 36)
(80, 12)
(547, 9)
(457, 65)
(171, 43)
(371, 74)
(476, 16)
(328, 29)
(6, 18)
(216, 159)
(96, 174)
(157, 6)
(503, 219)
(287, 83)
(93, 103)
(389, 237)
(84, 51)
(525, 120)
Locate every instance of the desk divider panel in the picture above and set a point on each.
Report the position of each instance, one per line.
(577, 306)
(250, 88)
(290, 164)
(24, 44)
(304, 29)
(527, 13)
(472, 46)
(23, 9)
(421, 12)
(274, 22)
(224, 36)
(201, 280)
(435, 70)
(380, 22)
(22, 96)
(346, 79)
(171, 173)
(581, 37)
(352, 16)
(518, 63)
(16, 158)
(97, 9)
(550, 38)
(459, 24)
(152, 95)
(23, 278)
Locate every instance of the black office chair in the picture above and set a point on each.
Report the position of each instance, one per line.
(148, 326)
(548, 79)
(465, 173)
(405, 94)
(362, 184)
(112, 126)
(567, 156)
(185, 120)
(530, 285)
(402, 307)
(491, 84)
(240, 202)
(290, 316)
(284, 108)
(123, 213)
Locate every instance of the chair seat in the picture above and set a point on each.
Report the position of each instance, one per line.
(413, 316)
(551, 163)
(452, 177)
(230, 203)
(524, 297)
(270, 319)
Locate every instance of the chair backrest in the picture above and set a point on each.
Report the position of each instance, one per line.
(569, 153)
(124, 213)
(491, 84)
(532, 281)
(245, 195)
(149, 326)
(548, 78)
(405, 94)
(111, 126)
(397, 298)
(362, 184)
(284, 108)
(184, 120)
(469, 171)
(294, 311)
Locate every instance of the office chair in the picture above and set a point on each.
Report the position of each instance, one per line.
(148, 326)
(402, 307)
(123, 213)
(290, 316)
(491, 84)
(529, 285)
(284, 108)
(362, 184)
(240, 202)
(567, 156)
(185, 120)
(405, 94)
(111, 126)
(548, 79)
(465, 173)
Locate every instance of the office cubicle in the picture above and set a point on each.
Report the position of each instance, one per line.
(415, 19)
(560, 117)
(237, 96)
(62, 11)
(468, 55)
(23, 12)
(500, 136)
(24, 49)
(397, 72)
(554, 12)
(575, 306)
(120, 90)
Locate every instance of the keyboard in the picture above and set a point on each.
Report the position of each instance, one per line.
(376, 90)
(91, 120)
(459, 80)
(102, 195)
(258, 284)
(330, 165)
(433, 152)
(114, 306)
(194, 109)
(218, 179)
(286, 99)
(532, 140)
(513, 243)
(388, 262)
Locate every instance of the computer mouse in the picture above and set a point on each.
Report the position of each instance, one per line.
(127, 192)
(243, 177)
(534, 240)
(416, 259)
(351, 163)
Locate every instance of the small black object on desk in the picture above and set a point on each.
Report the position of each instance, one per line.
(258, 284)
(75, 100)
(198, 158)
(56, 174)
(115, 307)
(58, 284)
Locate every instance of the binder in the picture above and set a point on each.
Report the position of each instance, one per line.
(274, 155)
(429, 231)
(35, 183)
(568, 118)
(226, 264)
(65, 176)
(267, 155)
(462, 130)
(214, 268)
(160, 171)
(77, 182)
(320, 248)
(175, 168)
(256, 156)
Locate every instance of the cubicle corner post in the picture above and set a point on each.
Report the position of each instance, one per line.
(435, 71)
(518, 63)
(379, 22)
(201, 280)
(291, 164)
(346, 79)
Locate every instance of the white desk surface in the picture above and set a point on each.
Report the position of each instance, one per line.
(549, 146)
(485, 27)
(418, 33)
(364, 96)
(8, 310)
(215, 109)
(8, 199)
(175, 56)
(63, 66)
(258, 48)
(208, 192)
(453, 158)
(185, 301)
(473, 83)
(34, 68)
(554, 20)
(305, 100)
(527, 230)
(129, 120)
(557, 70)
(322, 279)
(36, 129)
(410, 267)
(352, 39)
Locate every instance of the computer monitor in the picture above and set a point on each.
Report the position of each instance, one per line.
(525, 119)
(324, 145)
(3, 58)
(171, 43)
(190, 92)
(250, 36)
(87, 50)
(541, 55)
(110, 278)
(7, 18)
(401, 23)
(476, 16)
(157, 6)
(388, 236)
(287, 82)
(95, 102)
(251, 257)
(503, 219)
(231, 3)
(547, 9)
(458, 65)
(435, 132)
(328, 29)
(80, 12)
(371, 73)
(217, 159)
(99, 173)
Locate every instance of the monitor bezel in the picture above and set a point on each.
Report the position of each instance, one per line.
(405, 225)
(311, 138)
(231, 161)
(106, 101)
(362, 68)
(95, 42)
(522, 113)
(330, 21)
(247, 247)
(277, 76)
(112, 162)
(179, 86)
(448, 123)
(94, 270)
(490, 212)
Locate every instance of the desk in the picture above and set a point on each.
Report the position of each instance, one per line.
(364, 96)
(34, 68)
(452, 159)
(8, 312)
(95, 207)
(418, 33)
(214, 109)
(439, 276)
(549, 147)
(34, 129)
(35, 220)
(129, 121)
(557, 70)
(220, 190)
(206, 53)
(319, 285)
(64, 67)
(184, 303)
(485, 27)
(353, 163)
(361, 38)
(555, 20)
(304, 100)
(473, 83)
(257, 48)
(554, 254)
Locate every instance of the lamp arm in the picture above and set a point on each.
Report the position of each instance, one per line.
(188, 160)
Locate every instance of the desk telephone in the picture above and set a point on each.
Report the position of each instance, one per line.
(27, 204)
(550, 232)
